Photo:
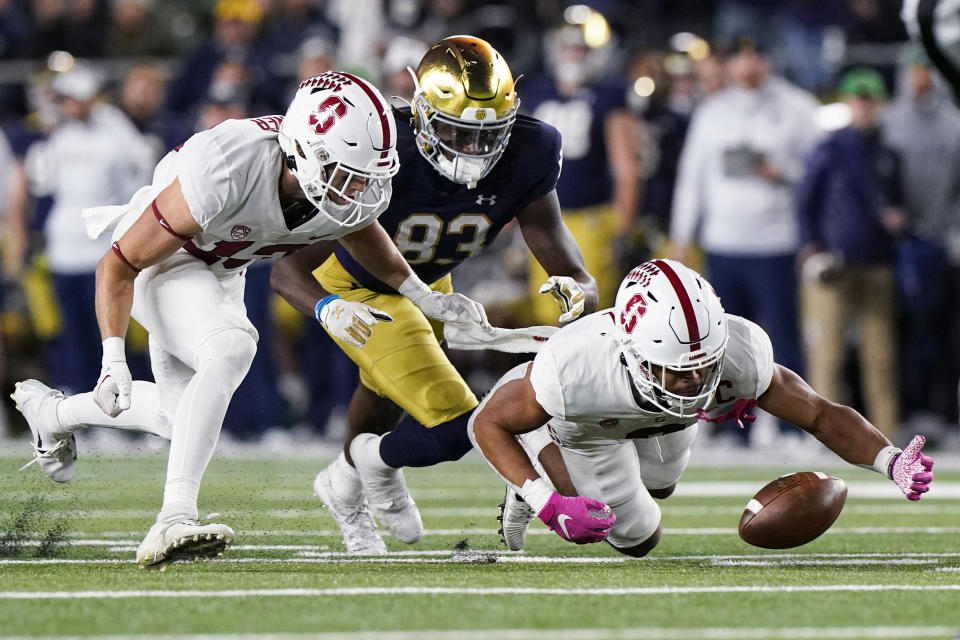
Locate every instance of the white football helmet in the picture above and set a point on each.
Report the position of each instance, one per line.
(339, 133)
(669, 317)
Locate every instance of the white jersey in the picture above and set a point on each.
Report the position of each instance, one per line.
(229, 176)
(580, 380)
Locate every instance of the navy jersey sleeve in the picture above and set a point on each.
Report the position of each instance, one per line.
(550, 146)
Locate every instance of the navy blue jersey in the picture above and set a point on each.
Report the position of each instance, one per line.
(586, 179)
(436, 223)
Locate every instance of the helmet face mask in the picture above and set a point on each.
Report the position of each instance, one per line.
(464, 108)
(670, 324)
(339, 140)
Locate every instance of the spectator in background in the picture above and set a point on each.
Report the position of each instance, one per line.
(228, 96)
(848, 205)
(236, 25)
(734, 196)
(923, 126)
(401, 55)
(94, 156)
(662, 132)
(14, 29)
(142, 100)
(136, 30)
(598, 187)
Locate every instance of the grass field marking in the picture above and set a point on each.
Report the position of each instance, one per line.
(471, 591)
(640, 633)
(537, 531)
(482, 557)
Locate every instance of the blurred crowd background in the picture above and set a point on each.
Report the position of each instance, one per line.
(798, 152)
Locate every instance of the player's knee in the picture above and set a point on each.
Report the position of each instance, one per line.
(230, 352)
(445, 395)
(645, 547)
(665, 492)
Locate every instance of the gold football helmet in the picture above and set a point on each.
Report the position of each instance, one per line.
(464, 107)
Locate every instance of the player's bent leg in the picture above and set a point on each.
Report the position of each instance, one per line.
(664, 493)
(379, 460)
(222, 360)
(663, 460)
(369, 413)
(339, 489)
(643, 548)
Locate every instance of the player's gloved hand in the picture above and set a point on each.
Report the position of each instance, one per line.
(351, 322)
(577, 519)
(911, 470)
(568, 294)
(112, 393)
(446, 307)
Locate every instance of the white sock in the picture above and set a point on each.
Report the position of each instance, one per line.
(144, 414)
(223, 361)
(345, 481)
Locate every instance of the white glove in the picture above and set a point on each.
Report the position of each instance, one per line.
(568, 294)
(351, 322)
(445, 307)
(112, 393)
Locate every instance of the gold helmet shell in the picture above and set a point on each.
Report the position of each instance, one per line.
(464, 108)
(463, 72)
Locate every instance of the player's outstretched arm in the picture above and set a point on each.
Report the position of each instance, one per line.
(292, 278)
(373, 249)
(513, 409)
(847, 433)
(554, 247)
(159, 231)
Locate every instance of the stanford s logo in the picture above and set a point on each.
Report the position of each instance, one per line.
(327, 114)
(633, 311)
(239, 231)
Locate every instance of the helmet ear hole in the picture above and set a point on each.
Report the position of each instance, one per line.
(291, 163)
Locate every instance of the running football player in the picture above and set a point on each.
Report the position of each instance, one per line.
(468, 166)
(241, 191)
(620, 393)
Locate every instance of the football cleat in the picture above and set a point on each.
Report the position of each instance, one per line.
(183, 540)
(515, 516)
(360, 535)
(56, 453)
(386, 490)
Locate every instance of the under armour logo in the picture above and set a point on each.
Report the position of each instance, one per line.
(490, 200)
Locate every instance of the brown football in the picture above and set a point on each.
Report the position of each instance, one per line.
(792, 510)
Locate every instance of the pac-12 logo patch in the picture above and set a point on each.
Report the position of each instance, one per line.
(239, 231)
(609, 423)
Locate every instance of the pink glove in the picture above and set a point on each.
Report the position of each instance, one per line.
(911, 470)
(573, 519)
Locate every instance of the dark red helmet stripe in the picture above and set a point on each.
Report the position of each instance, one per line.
(693, 331)
(381, 111)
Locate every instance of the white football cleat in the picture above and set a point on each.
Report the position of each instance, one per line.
(54, 451)
(182, 540)
(515, 517)
(386, 490)
(360, 535)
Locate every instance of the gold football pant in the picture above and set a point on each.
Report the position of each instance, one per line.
(403, 360)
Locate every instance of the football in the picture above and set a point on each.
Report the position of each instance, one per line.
(792, 510)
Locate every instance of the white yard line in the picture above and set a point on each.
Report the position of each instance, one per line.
(639, 633)
(467, 591)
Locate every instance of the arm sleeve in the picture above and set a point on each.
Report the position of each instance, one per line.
(553, 150)
(205, 177)
(545, 380)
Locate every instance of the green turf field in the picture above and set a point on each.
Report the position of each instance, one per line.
(887, 569)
